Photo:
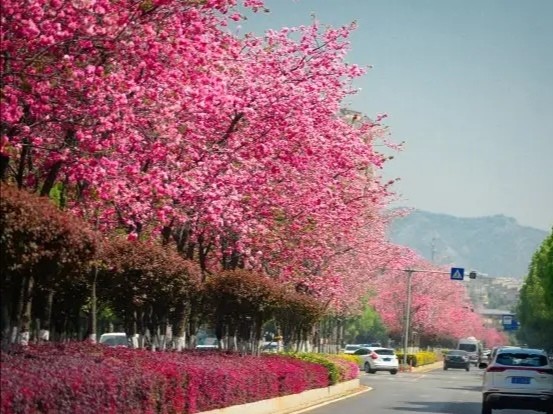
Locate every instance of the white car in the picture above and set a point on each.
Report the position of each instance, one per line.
(114, 339)
(518, 378)
(378, 359)
(351, 348)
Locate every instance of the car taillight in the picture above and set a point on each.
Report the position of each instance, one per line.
(374, 356)
(496, 369)
(545, 371)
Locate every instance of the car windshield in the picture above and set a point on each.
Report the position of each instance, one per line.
(352, 347)
(468, 347)
(462, 353)
(384, 351)
(113, 340)
(516, 359)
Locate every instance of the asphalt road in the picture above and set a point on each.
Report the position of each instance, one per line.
(449, 392)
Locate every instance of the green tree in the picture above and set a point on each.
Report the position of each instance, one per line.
(366, 327)
(535, 307)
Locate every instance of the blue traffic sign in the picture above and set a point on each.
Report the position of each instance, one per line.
(507, 319)
(457, 273)
(509, 323)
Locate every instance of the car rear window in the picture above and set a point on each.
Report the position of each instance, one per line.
(384, 351)
(517, 359)
(468, 347)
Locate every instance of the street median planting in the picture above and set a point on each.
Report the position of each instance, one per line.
(419, 358)
(81, 377)
(340, 369)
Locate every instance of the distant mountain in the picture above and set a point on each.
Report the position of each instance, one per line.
(496, 245)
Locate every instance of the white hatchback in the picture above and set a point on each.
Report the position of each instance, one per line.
(518, 378)
(378, 359)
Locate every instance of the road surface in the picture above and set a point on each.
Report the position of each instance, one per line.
(449, 392)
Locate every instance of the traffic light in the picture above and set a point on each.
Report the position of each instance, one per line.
(472, 274)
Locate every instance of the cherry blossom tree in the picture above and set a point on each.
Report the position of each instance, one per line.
(151, 117)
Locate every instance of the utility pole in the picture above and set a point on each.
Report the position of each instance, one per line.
(472, 275)
(407, 314)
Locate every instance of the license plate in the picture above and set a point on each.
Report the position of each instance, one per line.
(387, 359)
(520, 380)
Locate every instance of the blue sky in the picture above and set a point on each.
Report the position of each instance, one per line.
(468, 84)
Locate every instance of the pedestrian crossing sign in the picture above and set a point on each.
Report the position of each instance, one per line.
(457, 273)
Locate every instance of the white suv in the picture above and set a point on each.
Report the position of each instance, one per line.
(378, 359)
(518, 378)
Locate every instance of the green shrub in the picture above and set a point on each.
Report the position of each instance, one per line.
(356, 359)
(339, 368)
(333, 371)
(419, 358)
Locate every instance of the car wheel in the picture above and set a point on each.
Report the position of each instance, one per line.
(467, 368)
(368, 369)
(445, 368)
(393, 371)
(486, 408)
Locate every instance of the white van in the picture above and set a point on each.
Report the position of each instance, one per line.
(474, 348)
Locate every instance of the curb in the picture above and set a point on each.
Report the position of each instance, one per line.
(297, 403)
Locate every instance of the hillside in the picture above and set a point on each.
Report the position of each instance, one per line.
(496, 245)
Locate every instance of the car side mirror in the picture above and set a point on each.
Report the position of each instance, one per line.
(482, 365)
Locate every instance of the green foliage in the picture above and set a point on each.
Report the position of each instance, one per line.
(366, 327)
(535, 307)
(334, 373)
(57, 195)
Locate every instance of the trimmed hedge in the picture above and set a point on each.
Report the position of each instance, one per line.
(339, 368)
(419, 358)
(355, 359)
(86, 378)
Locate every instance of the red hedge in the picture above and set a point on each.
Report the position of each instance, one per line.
(84, 378)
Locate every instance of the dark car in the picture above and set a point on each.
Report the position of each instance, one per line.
(457, 359)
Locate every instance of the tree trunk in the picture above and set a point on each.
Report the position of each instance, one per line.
(4, 164)
(258, 325)
(17, 308)
(141, 327)
(93, 307)
(21, 167)
(5, 303)
(24, 336)
(179, 327)
(46, 321)
(192, 330)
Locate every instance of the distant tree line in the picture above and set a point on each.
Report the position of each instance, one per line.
(535, 307)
